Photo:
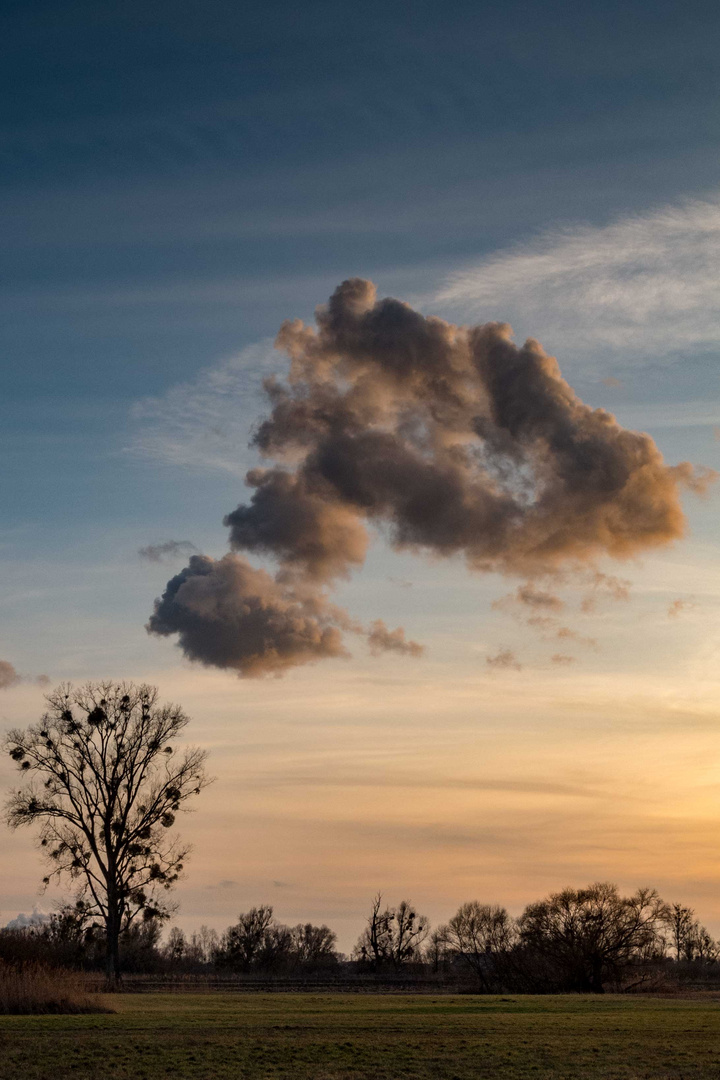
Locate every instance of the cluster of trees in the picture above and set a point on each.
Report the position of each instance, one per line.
(70, 938)
(689, 939)
(575, 940)
(258, 943)
(104, 782)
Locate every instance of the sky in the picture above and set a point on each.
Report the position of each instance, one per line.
(180, 179)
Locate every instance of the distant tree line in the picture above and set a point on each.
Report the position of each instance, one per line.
(577, 940)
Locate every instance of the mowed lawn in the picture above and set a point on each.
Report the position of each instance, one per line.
(373, 1037)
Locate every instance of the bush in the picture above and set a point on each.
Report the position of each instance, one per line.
(34, 988)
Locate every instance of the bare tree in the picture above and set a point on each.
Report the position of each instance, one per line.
(701, 944)
(313, 946)
(689, 939)
(478, 934)
(392, 936)
(203, 945)
(243, 944)
(681, 924)
(176, 948)
(409, 932)
(435, 951)
(104, 785)
(257, 942)
(374, 944)
(588, 936)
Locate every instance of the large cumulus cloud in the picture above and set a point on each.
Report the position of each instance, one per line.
(453, 439)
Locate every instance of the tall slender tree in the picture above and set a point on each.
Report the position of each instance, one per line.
(682, 926)
(104, 782)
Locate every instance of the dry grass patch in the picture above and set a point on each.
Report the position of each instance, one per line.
(33, 988)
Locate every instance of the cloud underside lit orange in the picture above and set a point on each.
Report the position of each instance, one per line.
(454, 439)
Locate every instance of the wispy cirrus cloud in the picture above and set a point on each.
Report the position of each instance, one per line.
(645, 285)
(206, 423)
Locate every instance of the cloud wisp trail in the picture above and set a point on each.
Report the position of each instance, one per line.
(641, 287)
(167, 549)
(453, 439)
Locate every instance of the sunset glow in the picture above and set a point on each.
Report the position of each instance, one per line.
(377, 426)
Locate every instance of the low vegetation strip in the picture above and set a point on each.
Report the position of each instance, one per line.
(350, 983)
(370, 1037)
(36, 989)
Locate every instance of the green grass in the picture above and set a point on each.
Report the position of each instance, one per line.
(368, 1037)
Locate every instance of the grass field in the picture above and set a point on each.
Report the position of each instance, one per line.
(373, 1037)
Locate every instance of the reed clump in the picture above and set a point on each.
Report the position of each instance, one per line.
(35, 988)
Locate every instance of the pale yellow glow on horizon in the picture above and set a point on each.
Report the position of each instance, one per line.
(444, 781)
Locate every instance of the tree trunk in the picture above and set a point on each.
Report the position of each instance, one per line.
(597, 976)
(112, 954)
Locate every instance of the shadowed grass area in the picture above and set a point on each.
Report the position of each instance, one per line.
(369, 1037)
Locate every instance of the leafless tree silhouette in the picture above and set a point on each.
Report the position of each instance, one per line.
(105, 784)
(392, 936)
(478, 934)
(588, 936)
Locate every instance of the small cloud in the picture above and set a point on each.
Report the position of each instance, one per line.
(402, 582)
(612, 383)
(529, 596)
(547, 626)
(380, 639)
(538, 598)
(169, 549)
(679, 606)
(605, 586)
(282, 884)
(42, 680)
(562, 659)
(504, 659)
(8, 675)
(226, 883)
(702, 480)
(565, 633)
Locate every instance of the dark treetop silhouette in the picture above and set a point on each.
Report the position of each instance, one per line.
(392, 936)
(105, 785)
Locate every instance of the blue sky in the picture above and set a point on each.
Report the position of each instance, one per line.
(179, 178)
